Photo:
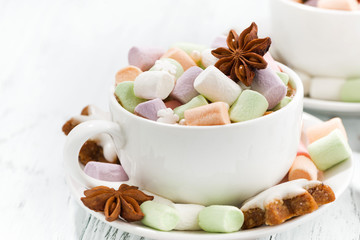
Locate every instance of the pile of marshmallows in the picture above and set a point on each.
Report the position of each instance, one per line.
(176, 87)
(322, 147)
(337, 89)
(346, 5)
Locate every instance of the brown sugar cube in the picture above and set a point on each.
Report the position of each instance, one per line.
(253, 217)
(322, 194)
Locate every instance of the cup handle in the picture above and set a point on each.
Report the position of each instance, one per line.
(74, 141)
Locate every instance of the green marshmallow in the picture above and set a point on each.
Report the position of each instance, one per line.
(189, 47)
(329, 150)
(350, 91)
(124, 91)
(249, 105)
(221, 219)
(285, 101)
(193, 103)
(284, 77)
(169, 65)
(159, 216)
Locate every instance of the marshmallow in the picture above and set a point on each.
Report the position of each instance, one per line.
(216, 86)
(168, 65)
(124, 92)
(105, 171)
(306, 80)
(188, 214)
(326, 88)
(312, 3)
(303, 167)
(192, 49)
(285, 101)
(184, 89)
(212, 114)
(219, 41)
(154, 84)
(350, 91)
(149, 109)
(249, 105)
(220, 218)
(271, 62)
(167, 115)
(159, 216)
(330, 150)
(159, 199)
(284, 77)
(193, 103)
(269, 85)
(302, 150)
(314, 133)
(347, 5)
(173, 104)
(182, 57)
(144, 58)
(207, 59)
(128, 73)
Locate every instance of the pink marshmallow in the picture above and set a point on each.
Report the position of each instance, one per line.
(271, 62)
(268, 83)
(173, 104)
(150, 108)
(346, 5)
(302, 151)
(144, 58)
(184, 89)
(219, 41)
(312, 3)
(106, 171)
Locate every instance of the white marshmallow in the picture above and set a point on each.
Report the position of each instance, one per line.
(326, 88)
(188, 216)
(153, 84)
(207, 59)
(216, 86)
(305, 78)
(159, 199)
(167, 115)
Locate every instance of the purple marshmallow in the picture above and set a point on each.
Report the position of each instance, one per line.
(184, 89)
(219, 41)
(144, 58)
(150, 108)
(268, 83)
(106, 171)
(312, 3)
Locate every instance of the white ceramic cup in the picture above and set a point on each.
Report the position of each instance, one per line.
(318, 41)
(197, 164)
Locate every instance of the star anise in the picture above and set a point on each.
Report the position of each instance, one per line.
(243, 56)
(124, 202)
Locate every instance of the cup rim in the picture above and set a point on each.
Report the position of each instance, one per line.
(297, 99)
(308, 8)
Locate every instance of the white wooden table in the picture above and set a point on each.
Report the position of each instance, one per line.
(57, 57)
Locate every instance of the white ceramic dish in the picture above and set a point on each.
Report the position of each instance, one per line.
(332, 107)
(337, 177)
(318, 41)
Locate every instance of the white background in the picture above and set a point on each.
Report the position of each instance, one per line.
(56, 58)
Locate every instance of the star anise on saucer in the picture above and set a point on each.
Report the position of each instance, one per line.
(125, 202)
(243, 56)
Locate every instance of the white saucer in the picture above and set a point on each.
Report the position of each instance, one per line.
(338, 178)
(332, 107)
